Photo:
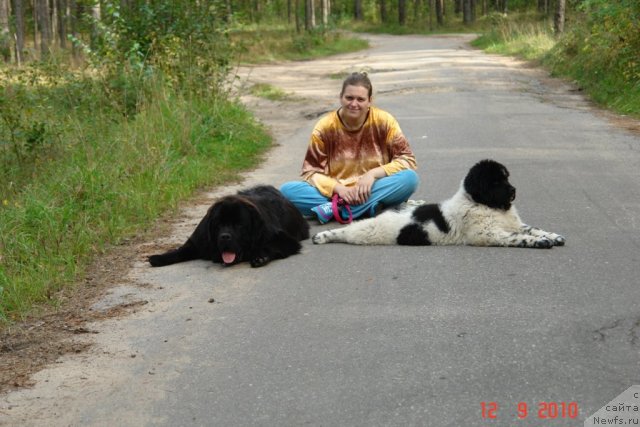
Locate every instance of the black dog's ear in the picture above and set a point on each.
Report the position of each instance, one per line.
(487, 184)
(475, 184)
(259, 228)
(213, 219)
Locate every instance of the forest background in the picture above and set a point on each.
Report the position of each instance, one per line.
(111, 113)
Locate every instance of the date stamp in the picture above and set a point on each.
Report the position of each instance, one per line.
(524, 410)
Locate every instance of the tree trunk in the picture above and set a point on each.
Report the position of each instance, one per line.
(72, 11)
(559, 18)
(63, 18)
(297, 15)
(44, 21)
(466, 12)
(308, 15)
(357, 10)
(543, 7)
(383, 11)
(18, 12)
(402, 12)
(440, 12)
(5, 34)
(96, 16)
(325, 12)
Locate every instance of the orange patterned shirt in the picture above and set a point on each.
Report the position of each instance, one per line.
(336, 154)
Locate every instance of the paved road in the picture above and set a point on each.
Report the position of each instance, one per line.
(393, 336)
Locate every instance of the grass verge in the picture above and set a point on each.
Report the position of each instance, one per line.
(110, 179)
(604, 64)
(87, 161)
(262, 45)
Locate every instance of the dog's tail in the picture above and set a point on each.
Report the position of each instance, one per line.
(186, 252)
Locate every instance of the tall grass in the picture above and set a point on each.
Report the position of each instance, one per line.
(260, 44)
(100, 177)
(90, 157)
(525, 35)
(599, 50)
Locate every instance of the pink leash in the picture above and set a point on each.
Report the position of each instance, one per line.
(336, 202)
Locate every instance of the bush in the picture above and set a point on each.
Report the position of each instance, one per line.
(601, 53)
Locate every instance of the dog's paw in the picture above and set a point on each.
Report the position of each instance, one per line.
(155, 260)
(320, 238)
(559, 240)
(543, 243)
(259, 261)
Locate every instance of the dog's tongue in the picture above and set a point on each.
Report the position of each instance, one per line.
(228, 257)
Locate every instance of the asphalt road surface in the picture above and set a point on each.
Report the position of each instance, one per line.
(391, 336)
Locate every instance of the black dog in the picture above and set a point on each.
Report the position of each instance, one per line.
(256, 225)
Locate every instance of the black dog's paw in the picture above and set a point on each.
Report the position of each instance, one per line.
(156, 260)
(259, 261)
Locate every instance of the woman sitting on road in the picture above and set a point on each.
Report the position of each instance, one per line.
(358, 153)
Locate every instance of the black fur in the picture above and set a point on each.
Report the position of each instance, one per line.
(413, 235)
(488, 184)
(255, 225)
(431, 212)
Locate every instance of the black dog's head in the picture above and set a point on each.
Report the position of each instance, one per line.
(488, 183)
(235, 228)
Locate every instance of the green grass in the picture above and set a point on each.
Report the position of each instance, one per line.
(87, 160)
(605, 67)
(267, 91)
(111, 182)
(263, 45)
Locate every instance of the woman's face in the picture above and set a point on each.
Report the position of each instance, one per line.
(355, 102)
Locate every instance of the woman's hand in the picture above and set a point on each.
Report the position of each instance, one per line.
(348, 194)
(360, 193)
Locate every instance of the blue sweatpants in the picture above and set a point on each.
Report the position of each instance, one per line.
(390, 191)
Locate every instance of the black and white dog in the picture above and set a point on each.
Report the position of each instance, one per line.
(479, 214)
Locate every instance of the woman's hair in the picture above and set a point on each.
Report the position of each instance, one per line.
(358, 79)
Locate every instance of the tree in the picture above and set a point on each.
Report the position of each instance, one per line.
(440, 11)
(18, 11)
(383, 11)
(309, 15)
(467, 11)
(402, 12)
(61, 27)
(325, 6)
(543, 6)
(44, 23)
(95, 18)
(357, 10)
(72, 9)
(559, 17)
(5, 37)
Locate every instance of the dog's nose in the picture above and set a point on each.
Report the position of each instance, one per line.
(224, 236)
(513, 193)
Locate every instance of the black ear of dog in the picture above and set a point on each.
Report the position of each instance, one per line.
(487, 183)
